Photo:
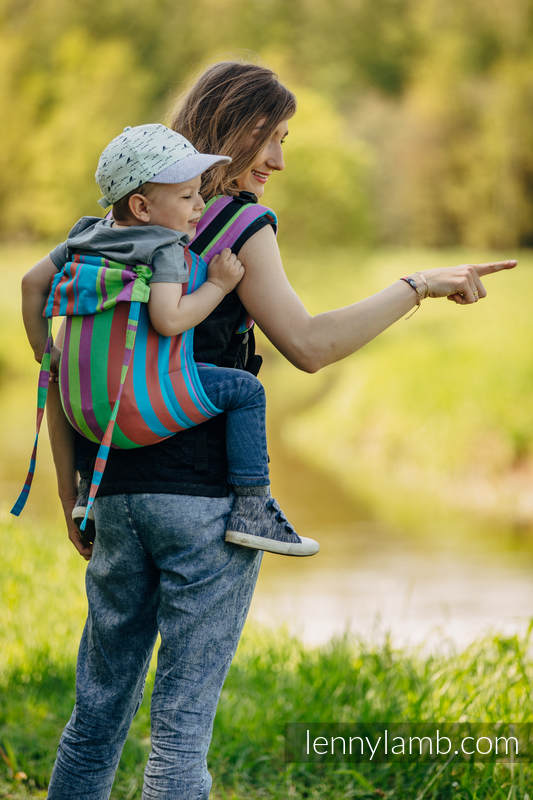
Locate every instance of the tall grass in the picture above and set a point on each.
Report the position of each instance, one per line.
(435, 414)
(430, 419)
(275, 680)
(430, 424)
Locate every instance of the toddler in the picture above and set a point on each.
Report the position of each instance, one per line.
(151, 176)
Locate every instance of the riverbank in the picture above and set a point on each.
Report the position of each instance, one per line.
(275, 681)
(429, 426)
(421, 408)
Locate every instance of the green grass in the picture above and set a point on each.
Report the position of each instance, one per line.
(275, 680)
(430, 423)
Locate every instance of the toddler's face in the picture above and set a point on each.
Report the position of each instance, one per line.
(176, 205)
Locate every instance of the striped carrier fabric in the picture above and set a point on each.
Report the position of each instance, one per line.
(230, 219)
(122, 384)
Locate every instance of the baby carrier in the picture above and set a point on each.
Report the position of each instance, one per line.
(122, 384)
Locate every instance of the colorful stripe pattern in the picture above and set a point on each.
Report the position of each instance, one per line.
(242, 217)
(42, 392)
(122, 384)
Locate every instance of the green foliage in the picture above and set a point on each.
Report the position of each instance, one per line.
(322, 197)
(65, 121)
(440, 93)
(434, 414)
(275, 681)
(457, 391)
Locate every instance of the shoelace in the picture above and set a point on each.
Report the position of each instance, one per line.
(280, 516)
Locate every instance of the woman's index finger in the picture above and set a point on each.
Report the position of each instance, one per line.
(494, 266)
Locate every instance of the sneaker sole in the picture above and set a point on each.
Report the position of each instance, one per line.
(307, 547)
(78, 513)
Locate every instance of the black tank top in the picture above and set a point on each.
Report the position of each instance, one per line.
(194, 460)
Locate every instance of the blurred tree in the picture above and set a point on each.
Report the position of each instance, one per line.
(91, 89)
(440, 92)
(322, 199)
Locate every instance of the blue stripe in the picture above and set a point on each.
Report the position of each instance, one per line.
(194, 384)
(103, 451)
(142, 398)
(167, 389)
(63, 299)
(21, 501)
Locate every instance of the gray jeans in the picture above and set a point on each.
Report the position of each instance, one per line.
(159, 564)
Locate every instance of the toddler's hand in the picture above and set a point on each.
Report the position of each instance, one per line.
(225, 270)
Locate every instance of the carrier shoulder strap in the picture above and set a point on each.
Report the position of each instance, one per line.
(224, 220)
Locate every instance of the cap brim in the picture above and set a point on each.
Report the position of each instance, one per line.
(188, 168)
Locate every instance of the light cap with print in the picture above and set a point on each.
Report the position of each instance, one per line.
(148, 153)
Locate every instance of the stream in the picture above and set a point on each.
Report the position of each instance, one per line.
(371, 583)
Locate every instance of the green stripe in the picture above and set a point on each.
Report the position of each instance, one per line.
(98, 286)
(141, 291)
(99, 358)
(99, 364)
(74, 378)
(223, 230)
(112, 285)
(121, 441)
(210, 202)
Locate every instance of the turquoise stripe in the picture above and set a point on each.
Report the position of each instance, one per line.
(167, 389)
(190, 370)
(50, 302)
(142, 398)
(192, 380)
(63, 298)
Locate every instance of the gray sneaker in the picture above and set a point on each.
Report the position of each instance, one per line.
(258, 522)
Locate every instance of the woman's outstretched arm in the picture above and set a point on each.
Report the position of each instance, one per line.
(312, 342)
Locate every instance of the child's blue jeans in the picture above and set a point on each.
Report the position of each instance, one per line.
(159, 564)
(241, 395)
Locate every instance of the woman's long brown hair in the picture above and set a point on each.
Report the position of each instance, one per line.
(219, 115)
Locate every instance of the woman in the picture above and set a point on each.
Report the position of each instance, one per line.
(160, 563)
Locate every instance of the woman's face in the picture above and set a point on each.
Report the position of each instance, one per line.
(268, 159)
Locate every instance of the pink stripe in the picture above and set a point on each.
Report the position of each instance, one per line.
(211, 213)
(64, 383)
(84, 365)
(229, 238)
(200, 407)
